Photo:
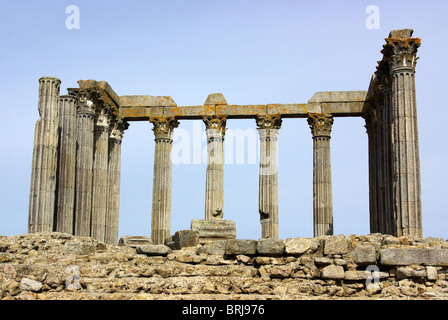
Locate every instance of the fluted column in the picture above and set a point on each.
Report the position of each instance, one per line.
(401, 51)
(85, 117)
(67, 164)
(113, 204)
(161, 195)
(268, 127)
(321, 125)
(371, 126)
(214, 190)
(45, 158)
(100, 188)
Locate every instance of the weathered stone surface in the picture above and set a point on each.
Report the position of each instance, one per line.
(406, 256)
(364, 255)
(333, 272)
(134, 241)
(322, 261)
(335, 245)
(185, 238)
(80, 247)
(271, 247)
(30, 285)
(297, 246)
(153, 249)
(217, 247)
(215, 99)
(241, 246)
(212, 230)
(431, 273)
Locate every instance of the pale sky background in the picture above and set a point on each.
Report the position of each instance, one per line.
(254, 52)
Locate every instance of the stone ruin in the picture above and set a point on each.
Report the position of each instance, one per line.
(75, 178)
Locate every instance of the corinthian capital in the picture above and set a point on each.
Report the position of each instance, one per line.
(269, 121)
(320, 124)
(215, 126)
(400, 50)
(163, 127)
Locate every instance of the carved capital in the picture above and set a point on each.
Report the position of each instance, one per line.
(401, 53)
(117, 130)
(269, 121)
(371, 120)
(86, 101)
(215, 127)
(164, 127)
(320, 124)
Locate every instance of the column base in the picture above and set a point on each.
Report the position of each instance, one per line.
(213, 230)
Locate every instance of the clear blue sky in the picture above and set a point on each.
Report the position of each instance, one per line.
(254, 52)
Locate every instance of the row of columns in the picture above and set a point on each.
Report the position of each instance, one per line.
(391, 122)
(75, 179)
(268, 127)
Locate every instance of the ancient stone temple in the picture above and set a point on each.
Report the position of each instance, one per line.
(75, 178)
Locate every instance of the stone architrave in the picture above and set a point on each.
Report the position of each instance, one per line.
(100, 189)
(85, 121)
(113, 203)
(400, 51)
(321, 125)
(45, 158)
(214, 190)
(66, 165)
(268, 127)
(161, 196)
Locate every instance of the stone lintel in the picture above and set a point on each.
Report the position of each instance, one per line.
(213, 230)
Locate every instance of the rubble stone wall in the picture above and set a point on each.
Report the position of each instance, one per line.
(61, 266)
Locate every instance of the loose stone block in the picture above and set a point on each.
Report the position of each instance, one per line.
(364, 275)
(296, 246)
(134, 241)
(212, 230)
(364, 255)
(153, 249)
(241, 246)
(79, 248)
(185, 238)
(271, 247)
(335, 245)
(322, 261)
(333, 272)
(405, 256)
(30, 285)
(431, 273)
(213, 248)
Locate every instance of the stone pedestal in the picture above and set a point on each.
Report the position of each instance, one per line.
(161, 196)
(45, 158)
(320, 125)
(268, 127)
(214, 230)
(67, 164)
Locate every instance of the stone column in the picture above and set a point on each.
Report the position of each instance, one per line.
(100, 175)
(268, 127)
(161, 195)
(113, 203)
(401, 51)
(321, 125)
(371, 126)
(67, 164)
(45, 158)
(85, 117)
(214, 190)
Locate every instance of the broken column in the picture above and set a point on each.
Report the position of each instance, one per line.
(45, 158)
(268, 127)
(321, 125)
(113, 203)
(400, 52)
(100, 174)
(85, 116)
(161, 195)
(67, 164)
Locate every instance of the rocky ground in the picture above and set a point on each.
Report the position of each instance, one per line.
(56, 266)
